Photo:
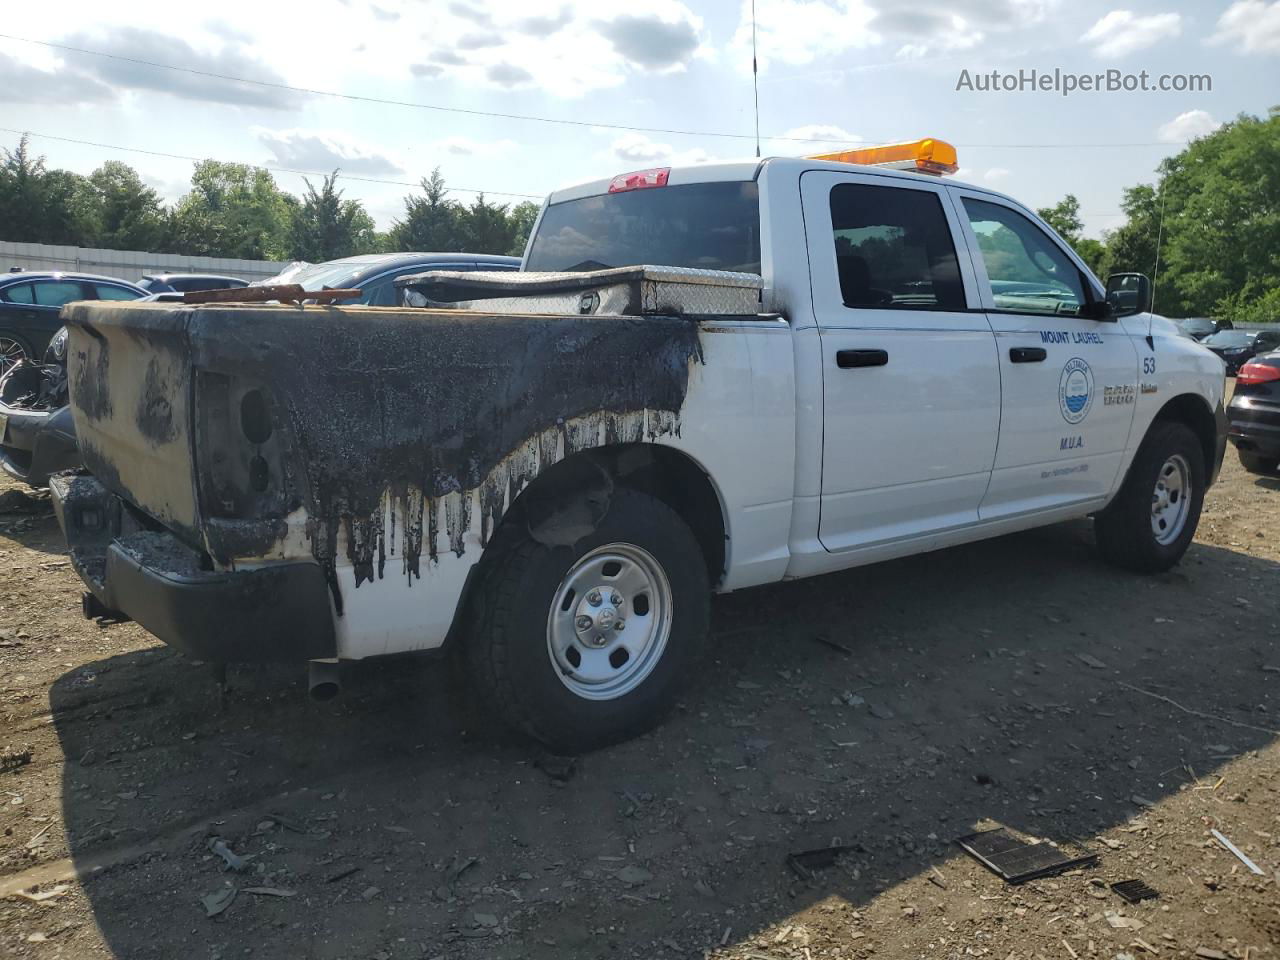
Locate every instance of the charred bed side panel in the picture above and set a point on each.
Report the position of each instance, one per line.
(129, 380)
(420, 404)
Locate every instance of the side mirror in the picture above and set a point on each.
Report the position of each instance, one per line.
(1128, 294)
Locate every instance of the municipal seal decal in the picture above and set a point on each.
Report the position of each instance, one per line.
(1075, 390)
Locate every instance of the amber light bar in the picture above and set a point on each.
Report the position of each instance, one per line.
(924, 156)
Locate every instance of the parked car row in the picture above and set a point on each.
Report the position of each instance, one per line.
(1238, 347)
(37, 436)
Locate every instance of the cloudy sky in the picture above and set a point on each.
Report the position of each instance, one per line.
(855, 70)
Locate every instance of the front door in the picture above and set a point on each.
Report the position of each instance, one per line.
(910, 379)
(1070, 382)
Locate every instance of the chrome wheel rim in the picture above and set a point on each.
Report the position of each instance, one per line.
(609, 622)
(11, 351)
(1171, 500)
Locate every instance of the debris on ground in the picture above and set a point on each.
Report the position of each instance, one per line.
(806, 861)
(11, 758)
(270, 892)
(828, 642)
(1134, 891)
(559, 769)
(232, 860)
(218, 901)
(1015, 860)
(20, 502)
(1091, 661)
(43, 896)
(1240, 855)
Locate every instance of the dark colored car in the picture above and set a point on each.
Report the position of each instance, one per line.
(182, 282)
(1254, 414)
(1238, 347)
(30, 304)
(375, 274)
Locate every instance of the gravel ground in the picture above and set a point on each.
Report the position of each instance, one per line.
(889, 709)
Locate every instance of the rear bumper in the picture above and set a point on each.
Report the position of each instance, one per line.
(279, 612)
(1254, 426)
(35, 444)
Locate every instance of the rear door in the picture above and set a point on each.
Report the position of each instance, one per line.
(1070, 382)
(910, 380)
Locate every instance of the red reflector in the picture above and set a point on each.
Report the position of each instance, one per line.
(1257, 373)
(640, 180)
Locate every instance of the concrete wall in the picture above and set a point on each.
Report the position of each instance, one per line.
(126, 264)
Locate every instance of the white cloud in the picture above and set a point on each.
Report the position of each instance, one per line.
(322, 151)
(800, 31)
(1188, 126)
(1122, 32)
(466, 147)
(996, 174)
(810, 138)
(1250, 26)
(639, 149)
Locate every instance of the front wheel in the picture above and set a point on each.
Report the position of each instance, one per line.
(583, 646)
(1149, 525)
(12, 349)
(1254, 463)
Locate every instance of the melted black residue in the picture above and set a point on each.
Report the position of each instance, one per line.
(430, 403)
(89, 390)
(155, 411)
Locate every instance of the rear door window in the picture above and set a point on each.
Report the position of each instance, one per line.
(894, 249)
(55, 293)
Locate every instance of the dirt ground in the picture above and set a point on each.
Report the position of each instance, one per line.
(890, 709)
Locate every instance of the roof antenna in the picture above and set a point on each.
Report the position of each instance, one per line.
(755, 75)
(1155, 277)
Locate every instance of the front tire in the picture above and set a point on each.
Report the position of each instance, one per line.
(1255, 463)
(546, 649)
(1151, 522)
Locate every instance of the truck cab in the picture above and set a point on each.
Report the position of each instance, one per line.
(556, 487)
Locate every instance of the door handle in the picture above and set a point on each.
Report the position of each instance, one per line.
(861, 358)
(1027, 354)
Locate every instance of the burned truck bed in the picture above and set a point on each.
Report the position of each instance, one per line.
(222, 422)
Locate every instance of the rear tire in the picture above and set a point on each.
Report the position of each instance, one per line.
(1151, 522)
(545, 651)
(1255, 463)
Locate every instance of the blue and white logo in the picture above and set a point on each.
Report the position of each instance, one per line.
(1075, 390)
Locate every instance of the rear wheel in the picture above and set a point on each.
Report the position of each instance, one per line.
(1149, 525)
(587, 645)
(1256, 463)
(12, 349)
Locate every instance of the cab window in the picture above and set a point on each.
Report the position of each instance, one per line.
(57, 292)
(894, 249)
(1028, 272)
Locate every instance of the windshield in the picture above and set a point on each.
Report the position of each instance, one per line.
(1228, 338)
(710, 226)
(333, 275)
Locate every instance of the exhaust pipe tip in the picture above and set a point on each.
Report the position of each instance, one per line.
(324, 681)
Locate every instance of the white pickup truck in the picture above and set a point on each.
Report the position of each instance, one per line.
(828, 366)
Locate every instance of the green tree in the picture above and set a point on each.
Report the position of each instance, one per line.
(233, 210)
(326, 227)
(485, 227)
(522, 217)
(432, 222)
(130, 214)
(1064, 217)
(43, 206)
(1132, 247)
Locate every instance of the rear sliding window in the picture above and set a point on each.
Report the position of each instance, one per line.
(709, 226)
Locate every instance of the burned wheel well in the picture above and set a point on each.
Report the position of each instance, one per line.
(565, 502)
(1195, 413)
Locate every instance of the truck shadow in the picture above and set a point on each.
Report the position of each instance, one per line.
(890, 707)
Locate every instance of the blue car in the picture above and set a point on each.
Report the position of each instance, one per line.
(375, 274)
(30, 304)
(184, 282)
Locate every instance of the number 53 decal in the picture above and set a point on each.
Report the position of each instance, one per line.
(1148, 365)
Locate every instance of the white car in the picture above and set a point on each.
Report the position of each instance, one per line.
(824, 364)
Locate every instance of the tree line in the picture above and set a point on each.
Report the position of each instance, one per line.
(1213, 212)
(1214, 215)
(235, 210)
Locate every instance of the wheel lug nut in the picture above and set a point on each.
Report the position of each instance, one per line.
(615, 600)
(593, 598)
(584, 623)
(619, 624)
